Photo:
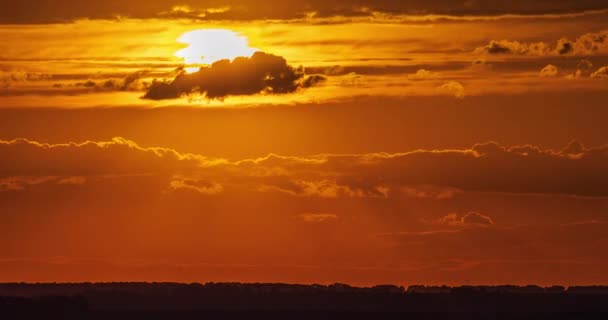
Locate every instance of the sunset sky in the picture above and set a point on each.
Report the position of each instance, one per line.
(357, 141)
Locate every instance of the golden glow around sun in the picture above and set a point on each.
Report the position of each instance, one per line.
(207, 46)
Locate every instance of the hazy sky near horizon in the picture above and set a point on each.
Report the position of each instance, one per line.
(434, 142)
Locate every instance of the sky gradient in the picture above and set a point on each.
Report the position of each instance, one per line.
(405, 142)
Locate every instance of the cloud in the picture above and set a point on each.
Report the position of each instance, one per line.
(262, 73)
(22, 83)
(601, 73)
(422, 74)
(313, 80)
(549, 71)
(130, 83)
(481, 65)
(317, 187)
(72, 181)
(583, 69)
(430, 192)
(454, 88)
(587, 44)
(488, 167)
(317, 217)
(575, 242)
(513, 47)
(11, 76)
(21, 183)
(69, 10)
(188, 12)
(200, 186)
(469, 219)
(27, 158)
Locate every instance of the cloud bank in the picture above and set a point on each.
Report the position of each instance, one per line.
(69, 10)
(587, 44)
(262, 73)
(488, 167)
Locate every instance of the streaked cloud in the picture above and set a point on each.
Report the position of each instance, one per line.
(68, 10)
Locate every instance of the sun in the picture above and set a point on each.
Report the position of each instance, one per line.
(206, 46)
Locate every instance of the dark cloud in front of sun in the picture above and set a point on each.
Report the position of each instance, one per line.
(262, 73)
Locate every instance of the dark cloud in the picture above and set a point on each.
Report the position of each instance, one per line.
(132, 82)
(489, 167)
(587, 44)
(513, 47)
(495, 47)
(262, 73)
(317, 217)
(45, 11)
(313, 80)
(18, 83)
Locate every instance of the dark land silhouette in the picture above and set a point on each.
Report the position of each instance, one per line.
(290, 301)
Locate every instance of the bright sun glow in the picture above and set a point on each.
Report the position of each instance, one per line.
(207, 46)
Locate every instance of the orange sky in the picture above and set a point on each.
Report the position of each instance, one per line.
(366, 142)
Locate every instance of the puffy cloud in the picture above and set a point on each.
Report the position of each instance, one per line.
(583, 69)
(513, 47)
(72, 180)
(351, 80)
(586, 44)
(313, 80)
(422, 74)
(549, 71)
(262, 73)
(601, 73)
(454, 88)
(11, 76)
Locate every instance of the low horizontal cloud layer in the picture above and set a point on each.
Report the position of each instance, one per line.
(587, 44)
(488, 167)
(68, 10)
(469, 219)
(575, 242)
(262, 73)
